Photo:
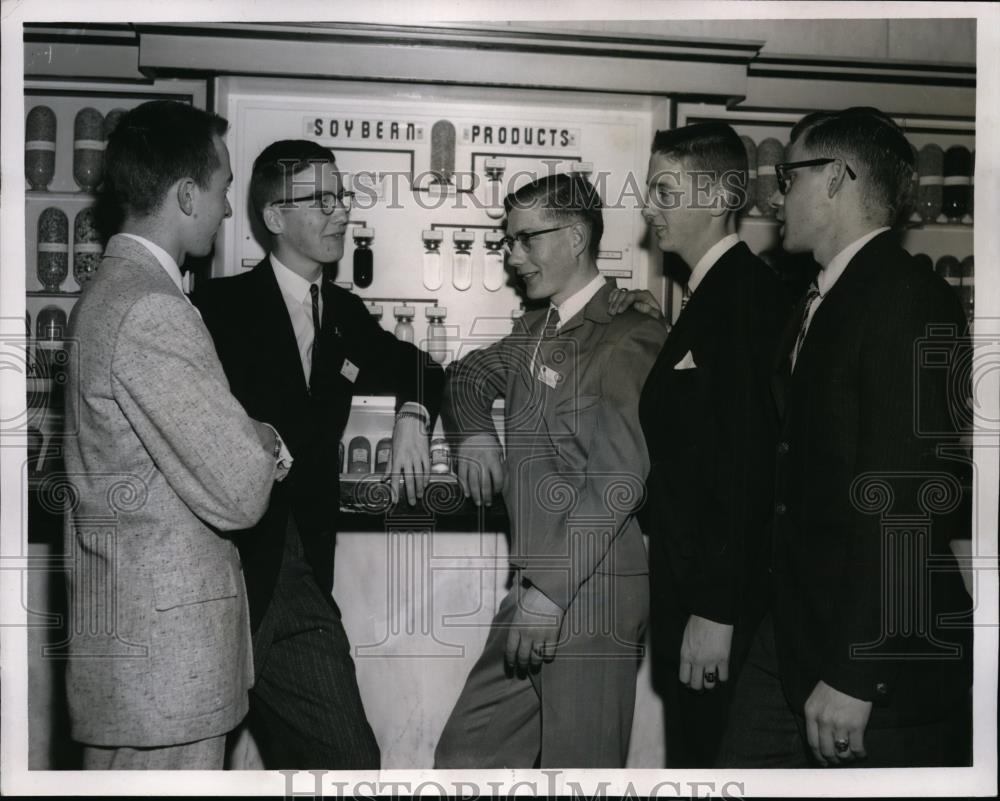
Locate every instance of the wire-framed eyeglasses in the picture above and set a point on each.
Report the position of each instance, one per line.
(523, 238)
(327, 202)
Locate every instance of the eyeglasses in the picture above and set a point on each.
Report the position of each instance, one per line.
(523, 238)
(782, 171)
(326, 201)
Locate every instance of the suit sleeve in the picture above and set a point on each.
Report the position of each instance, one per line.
(898, 399)
(395, 367)
(167, 379)
(476, 380)
(607, 483)
(213, 305)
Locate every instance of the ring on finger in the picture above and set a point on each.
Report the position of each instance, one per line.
(842, 745)
(710, 676)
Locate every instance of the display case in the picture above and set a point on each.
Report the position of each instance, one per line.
(66, 128)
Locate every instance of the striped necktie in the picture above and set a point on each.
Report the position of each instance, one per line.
(811, 297)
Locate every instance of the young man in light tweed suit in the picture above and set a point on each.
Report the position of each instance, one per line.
(162, 459)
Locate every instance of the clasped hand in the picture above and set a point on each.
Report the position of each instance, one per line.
(705, 653)
(831, 716)
(534, 630)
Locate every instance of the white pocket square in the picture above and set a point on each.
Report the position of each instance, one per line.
(687, 363)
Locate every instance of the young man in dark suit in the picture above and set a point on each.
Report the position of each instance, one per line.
(296, 348)
(868, 640)
(711, 426)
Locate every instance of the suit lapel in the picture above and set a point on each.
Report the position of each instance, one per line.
(277, 334)
(837, 306)
(782, 366)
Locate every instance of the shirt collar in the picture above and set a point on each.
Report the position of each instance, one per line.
(828, 276)
(291, 283)
(575, 302)
(165, 259)
(707, 262)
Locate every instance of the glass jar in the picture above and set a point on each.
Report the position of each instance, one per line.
(53, 249)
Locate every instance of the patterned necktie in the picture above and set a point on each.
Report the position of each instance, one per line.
(811, 296)
(551, 323)
(314, 294)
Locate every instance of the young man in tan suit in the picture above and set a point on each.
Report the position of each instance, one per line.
(163, 459)
(555, 685)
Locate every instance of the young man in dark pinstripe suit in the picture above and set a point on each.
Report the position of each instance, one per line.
(295, 348)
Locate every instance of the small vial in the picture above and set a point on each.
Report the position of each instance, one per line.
(404, 326)
(461, 263)
(364, 259)
(359, 453)
(493, 261)
(433, 270)
(437, 337)
(383, 453)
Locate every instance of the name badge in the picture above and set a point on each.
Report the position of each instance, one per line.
(548, 376)
(349, 370)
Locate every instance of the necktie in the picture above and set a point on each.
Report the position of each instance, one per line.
(804, 325)
(551, 323)
(314, 294)
(548, 332)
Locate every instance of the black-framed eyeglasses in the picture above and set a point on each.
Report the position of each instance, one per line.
(327, 202)
(523, 238)
(782, 171)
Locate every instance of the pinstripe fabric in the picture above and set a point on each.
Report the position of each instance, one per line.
(306, 710)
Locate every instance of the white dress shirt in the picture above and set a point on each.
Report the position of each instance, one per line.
(829, 275)
(295, 292)
(298, 300)
(707, 262)
(575, 302)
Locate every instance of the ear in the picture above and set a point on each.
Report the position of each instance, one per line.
(186, 189)
(837, 176)
(273, 220)
(580, 237)
(721, 201)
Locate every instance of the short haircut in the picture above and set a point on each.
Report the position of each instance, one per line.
(713, 148)
(568, 197)
(876, 149)
(274, 168)
(154, 146)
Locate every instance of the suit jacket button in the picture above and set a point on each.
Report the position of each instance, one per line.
(881, 688)
(782, 447)
(780, 508)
